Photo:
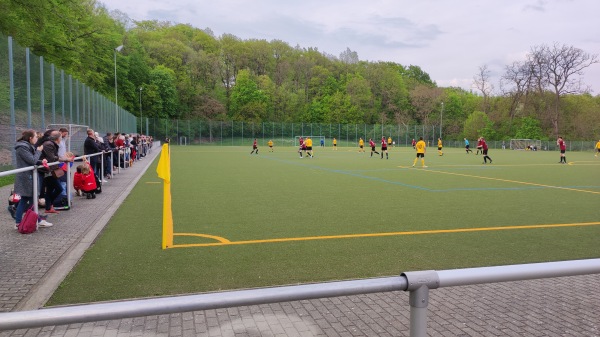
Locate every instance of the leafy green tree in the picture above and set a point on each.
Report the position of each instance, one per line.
(248, 102)
(529, 129)
(476, 124)
(163, 79)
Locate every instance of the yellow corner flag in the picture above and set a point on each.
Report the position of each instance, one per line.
(164, 172)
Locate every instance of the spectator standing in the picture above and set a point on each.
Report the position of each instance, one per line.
(90, 147)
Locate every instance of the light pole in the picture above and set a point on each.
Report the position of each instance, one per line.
(141, 116)
(441, 119)
(118, 49)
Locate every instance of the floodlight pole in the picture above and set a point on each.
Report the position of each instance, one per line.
(141, 116)
(118, 49)
(441, 120)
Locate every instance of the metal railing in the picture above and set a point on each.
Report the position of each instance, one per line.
(418, 283)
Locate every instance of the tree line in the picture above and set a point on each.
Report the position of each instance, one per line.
(178, 71)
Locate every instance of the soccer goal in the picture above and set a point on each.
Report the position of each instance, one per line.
(183, 141)
(523, 144)
(316, 140)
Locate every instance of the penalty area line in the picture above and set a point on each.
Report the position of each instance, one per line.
(226, 242)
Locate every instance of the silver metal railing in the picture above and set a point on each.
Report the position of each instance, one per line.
(418, 283)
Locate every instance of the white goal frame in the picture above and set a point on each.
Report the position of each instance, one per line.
(521, 144)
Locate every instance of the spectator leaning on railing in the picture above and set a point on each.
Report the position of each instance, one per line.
(27, 155)
(50, 153)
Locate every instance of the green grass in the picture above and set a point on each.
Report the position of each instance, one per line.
(225, 192)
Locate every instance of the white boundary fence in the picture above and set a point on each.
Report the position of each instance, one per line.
(418, 283)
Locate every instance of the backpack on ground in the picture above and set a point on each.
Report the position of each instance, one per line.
(29, 222)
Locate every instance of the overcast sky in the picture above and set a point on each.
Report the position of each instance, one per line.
(449, 40)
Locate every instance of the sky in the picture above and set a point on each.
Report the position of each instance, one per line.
(450, 40)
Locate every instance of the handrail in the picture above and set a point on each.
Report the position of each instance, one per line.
(418, 283)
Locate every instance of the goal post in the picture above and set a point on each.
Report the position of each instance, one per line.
(522, 144)
(316, 140)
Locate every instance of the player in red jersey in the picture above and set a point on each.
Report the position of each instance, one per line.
(479, 145)
(254, 147)
(372, 145)
(563, 148)
(302, 147)
(484, 150)
(384, 148)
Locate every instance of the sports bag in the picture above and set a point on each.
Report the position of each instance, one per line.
(29, 222)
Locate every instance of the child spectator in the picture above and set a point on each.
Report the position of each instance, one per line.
(84, 181)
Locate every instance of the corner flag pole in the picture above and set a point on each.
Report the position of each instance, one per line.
(164, 172)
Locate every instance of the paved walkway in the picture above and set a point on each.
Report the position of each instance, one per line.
(32, 266)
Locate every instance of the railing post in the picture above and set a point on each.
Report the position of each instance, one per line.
(419, 283)
(419, 300)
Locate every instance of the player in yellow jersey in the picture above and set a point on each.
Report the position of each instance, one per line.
(440, 152)
(308, 142)
(270, 143)
(420, 147)
(390, 141)
(334, 144)
(361, 145)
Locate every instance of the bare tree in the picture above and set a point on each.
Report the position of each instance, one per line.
(563, 65)
(519, 77)
(349, 57)
(483, 84)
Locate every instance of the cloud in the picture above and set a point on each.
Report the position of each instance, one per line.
(538, 6)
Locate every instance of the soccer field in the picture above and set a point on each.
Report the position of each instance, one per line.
(244, 220)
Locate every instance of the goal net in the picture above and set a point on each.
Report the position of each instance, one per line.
(77, 136)
(525, 144)
(316, 140)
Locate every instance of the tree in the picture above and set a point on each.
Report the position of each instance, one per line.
(166, 105)
(476, 124)
(529, 129)
(482, 82)
(564, 63)
(349, 57)
(248, 102)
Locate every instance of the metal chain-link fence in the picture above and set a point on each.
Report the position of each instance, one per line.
(34, 94)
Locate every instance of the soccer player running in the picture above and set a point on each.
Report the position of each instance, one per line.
(440, 152)
(270, 143)
(254, 147)
(563, 148)
(390, 141)
(372, 145)
(334, 144)
(413, 143)
(384, 148)
(467, 146)
(361, 145)
(308, 144)
(484, 151)
(420, 147)
(597, 149)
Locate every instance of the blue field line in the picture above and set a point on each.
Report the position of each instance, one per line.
(353, 174)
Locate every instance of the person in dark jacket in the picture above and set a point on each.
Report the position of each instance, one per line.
(90, 147)
(26, 155)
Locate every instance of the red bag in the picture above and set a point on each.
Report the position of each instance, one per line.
(29, 222)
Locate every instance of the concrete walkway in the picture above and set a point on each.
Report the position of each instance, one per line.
(32, 266)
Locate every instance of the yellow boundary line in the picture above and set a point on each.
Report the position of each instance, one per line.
(225, 242)
(513, 181)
